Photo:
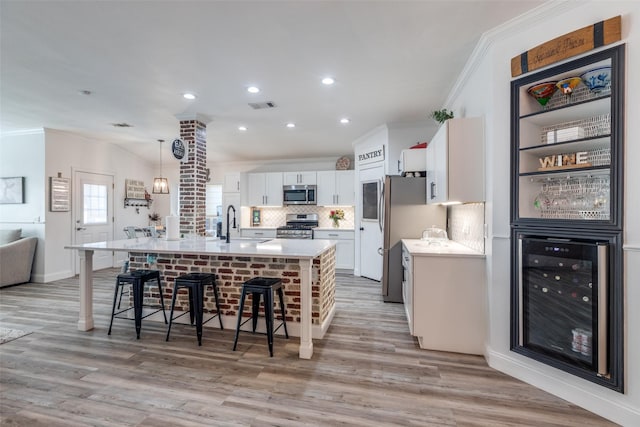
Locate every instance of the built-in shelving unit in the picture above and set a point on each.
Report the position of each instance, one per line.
(567, 178)
(567, 195)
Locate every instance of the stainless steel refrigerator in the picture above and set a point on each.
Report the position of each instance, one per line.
(405, 216)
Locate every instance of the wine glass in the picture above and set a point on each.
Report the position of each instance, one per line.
(542, 201)
(601, 196)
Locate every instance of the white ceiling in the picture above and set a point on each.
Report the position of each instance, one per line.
(393, 61)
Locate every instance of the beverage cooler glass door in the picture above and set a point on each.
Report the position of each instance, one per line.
(563, 300)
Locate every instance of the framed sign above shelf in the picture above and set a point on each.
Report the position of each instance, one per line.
(59, 194)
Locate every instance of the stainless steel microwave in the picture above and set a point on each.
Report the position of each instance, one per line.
(299, 194)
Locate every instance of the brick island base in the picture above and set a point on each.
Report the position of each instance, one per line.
(233, 271)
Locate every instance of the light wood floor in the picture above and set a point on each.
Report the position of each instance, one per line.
(368, 371)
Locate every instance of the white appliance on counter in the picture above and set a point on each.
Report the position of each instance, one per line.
(405, 215)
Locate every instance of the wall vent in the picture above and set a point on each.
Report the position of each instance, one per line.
(262, 105)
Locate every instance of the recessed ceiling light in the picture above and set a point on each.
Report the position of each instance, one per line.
(344, 121)
(291, 125)
(189, 96)
(242, 128)
(328, 81)
(253, 89)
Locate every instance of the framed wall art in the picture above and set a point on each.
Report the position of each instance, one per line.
(59, 194)
(12, 190)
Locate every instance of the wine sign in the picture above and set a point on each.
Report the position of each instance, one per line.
(564, 161)
(579, 41)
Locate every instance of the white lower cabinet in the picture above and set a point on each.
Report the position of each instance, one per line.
(258, 233)
(444, 298)
(407, 286)
(345, 246)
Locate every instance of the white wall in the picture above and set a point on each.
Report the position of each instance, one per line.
(218, 170)
(29, 216)
(484, 91)
(67, 152)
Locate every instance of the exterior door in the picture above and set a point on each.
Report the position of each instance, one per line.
(371, 220)
(93, 215)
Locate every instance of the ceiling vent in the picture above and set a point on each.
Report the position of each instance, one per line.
(121, 125)
(262, 105)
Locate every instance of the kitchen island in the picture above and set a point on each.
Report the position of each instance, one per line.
(306, 267)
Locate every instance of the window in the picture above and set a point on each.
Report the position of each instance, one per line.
(214, 206)
(94, 204)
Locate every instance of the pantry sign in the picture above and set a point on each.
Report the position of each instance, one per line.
(371, 156)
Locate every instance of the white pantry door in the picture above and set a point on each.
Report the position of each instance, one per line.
(93, 215)
(371, 211)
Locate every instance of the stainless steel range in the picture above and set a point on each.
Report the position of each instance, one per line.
(299, 226)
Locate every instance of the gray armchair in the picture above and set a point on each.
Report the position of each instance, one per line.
(16, 257)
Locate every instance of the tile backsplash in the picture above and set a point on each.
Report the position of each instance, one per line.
(276, 217)
(466, 225)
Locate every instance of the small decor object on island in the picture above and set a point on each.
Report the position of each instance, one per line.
(568, 85)
(336, 215)
(543, 92)
(442, 116)
(154, 218)
(597, 79)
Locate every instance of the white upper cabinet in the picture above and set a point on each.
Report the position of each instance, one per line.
(265, 189)
(455, 162)
(300, 178)
(231, 183)
(336, 188)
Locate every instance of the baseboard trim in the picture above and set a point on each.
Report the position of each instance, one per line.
(51, 277)
(611, 409)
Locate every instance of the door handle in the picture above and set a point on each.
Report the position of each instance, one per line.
(361, 228)
(381, 207)
(380, 251)
(80, 228)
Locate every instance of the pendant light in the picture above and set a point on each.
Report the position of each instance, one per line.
(160, 185)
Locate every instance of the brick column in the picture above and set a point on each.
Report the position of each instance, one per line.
(193, 174)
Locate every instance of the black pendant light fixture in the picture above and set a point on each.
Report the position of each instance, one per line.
(160, 185)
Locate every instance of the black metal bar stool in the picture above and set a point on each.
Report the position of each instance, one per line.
(195, 282)
(265, 287)
(137, 279)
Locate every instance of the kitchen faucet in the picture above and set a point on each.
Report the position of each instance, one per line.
(234, 221)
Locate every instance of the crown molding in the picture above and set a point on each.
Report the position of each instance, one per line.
(505, 30)
(21, 132)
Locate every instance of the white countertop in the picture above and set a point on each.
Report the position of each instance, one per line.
(289, 248)
(258, 227)
(418, 247)
(333, 229)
